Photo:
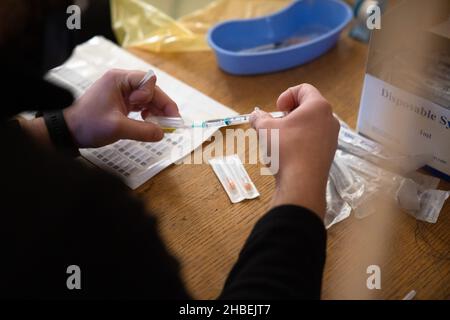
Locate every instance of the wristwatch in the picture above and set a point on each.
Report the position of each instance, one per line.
(59, 132)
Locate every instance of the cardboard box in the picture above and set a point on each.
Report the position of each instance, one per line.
(405, 102)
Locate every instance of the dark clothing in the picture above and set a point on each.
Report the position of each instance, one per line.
(45, 44)
(56, 212)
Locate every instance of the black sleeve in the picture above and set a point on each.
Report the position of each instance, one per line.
(283, 258)
(56, 213)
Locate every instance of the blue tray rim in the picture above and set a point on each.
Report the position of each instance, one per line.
(328, 34)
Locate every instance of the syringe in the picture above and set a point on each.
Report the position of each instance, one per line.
(172, 123)
(232, 121)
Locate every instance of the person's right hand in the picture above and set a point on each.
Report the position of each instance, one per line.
(308, 141)
(100, 116)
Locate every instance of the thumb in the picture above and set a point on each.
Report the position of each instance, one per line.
(140, 130)
(260, 119)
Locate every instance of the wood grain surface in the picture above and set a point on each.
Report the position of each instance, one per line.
(206, 232)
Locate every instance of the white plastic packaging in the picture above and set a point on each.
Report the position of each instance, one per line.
(353, 143)
(360, 182)
(364, 172)
(424, 205)
(348, 185)
(337, 208)
(234, 178)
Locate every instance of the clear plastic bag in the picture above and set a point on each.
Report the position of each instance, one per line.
(337, 208)
(369, 150)
(361, 183)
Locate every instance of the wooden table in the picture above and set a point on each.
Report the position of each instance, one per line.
(206, 232)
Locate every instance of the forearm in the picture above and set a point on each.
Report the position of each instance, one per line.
(283, 258)
(37, 130)
(51, 132)
(302, 187)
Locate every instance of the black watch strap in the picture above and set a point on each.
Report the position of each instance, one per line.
(58, 131)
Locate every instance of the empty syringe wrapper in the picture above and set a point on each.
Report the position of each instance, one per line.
(234, 178)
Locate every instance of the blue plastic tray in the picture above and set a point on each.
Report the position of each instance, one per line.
(296, 35)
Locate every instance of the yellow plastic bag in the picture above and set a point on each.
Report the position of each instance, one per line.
(138, 23)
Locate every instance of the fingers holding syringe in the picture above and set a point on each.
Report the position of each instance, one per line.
(139, 130)
(260, 119)
(161, 105)
(146, 96)
(303, 95)
(140, 89)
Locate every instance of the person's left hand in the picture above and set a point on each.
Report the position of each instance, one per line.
(99, 117)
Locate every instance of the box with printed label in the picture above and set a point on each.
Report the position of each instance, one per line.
(405, 103)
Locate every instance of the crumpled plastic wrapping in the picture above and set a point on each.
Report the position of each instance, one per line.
(363, 172)
(337, 208)
(138, 23)
(361, 184)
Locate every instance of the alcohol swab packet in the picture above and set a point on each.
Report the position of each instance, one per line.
(234, 178)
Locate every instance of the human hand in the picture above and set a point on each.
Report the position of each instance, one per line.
(308, 141)
(99, 117)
